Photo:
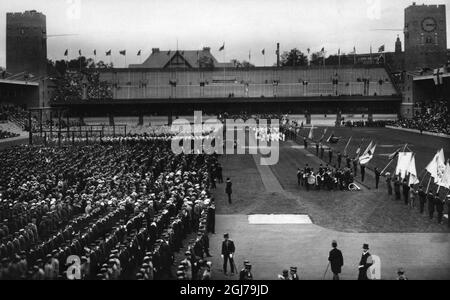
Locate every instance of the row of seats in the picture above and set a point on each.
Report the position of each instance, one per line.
(254, 90)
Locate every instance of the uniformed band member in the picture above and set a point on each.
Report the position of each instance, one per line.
(246, 272)
(336, 260)
(299, 177)
(364, 263)
(228, 189)
(228, 250)
(294, 275)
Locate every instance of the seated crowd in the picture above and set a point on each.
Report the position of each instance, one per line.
(432, 116)
(119, 209)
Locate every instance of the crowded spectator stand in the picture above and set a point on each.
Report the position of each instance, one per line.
(67, 214)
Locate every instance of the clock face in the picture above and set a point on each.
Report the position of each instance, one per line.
(429, 24)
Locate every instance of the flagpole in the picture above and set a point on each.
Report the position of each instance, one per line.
(389, 163)
(429, 181)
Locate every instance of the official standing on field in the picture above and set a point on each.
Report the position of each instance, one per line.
(228, 189)
(364, 263)
(228, 250)
(363, 172)
(336, 260)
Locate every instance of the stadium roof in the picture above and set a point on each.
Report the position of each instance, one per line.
(160, 59)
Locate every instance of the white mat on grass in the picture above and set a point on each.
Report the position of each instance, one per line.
(279, 219)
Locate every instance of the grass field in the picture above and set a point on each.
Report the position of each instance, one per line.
(388, 141)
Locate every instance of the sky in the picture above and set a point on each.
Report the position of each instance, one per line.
(245, 26)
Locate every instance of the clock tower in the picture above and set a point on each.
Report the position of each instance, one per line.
(425, 36)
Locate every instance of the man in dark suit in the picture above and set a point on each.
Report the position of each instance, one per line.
(422, 199)
(228, 190)
(305, 143)
(228, 250)
(431, 201)
(377, 177)
(363, 172)
(364, 263)
(405, 191)
(336, 260)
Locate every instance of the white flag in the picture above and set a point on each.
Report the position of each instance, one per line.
(403, 162)
(365, 158)
(310, 135)
(412, 172)
(436, 167)
(445, 182)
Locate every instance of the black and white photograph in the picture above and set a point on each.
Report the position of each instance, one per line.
(210, 143)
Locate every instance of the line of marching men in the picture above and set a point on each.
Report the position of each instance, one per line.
(417, 196)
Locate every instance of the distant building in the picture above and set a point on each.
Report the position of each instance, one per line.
(184, 59)
(26, 43)
(425, 36)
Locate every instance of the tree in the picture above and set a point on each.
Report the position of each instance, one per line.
(293, 58)
(242, 65)
(317, 58)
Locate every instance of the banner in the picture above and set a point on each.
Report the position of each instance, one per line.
(403, 162)
(365, 158)
(412, 172)
(445, 181)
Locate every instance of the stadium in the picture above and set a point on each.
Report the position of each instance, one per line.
(92, 189)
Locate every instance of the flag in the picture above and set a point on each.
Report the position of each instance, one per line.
(108, 53)
(394, 155)
(79, 52)
(66, 52)
(436, 167)
(263, 51)
(139, 53)
(123, 52)
(95, 52)
(310, 135)
(381, 49)
(330, 137)
(445, 182)
(168, 52)
(368, 148)
(249, 55)
(323, 50)
(339, 51)
(223, 47)
(309, 50)
(366, 157)
(403, 162)
(323, 135)
(412, 172)
(346, 146)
